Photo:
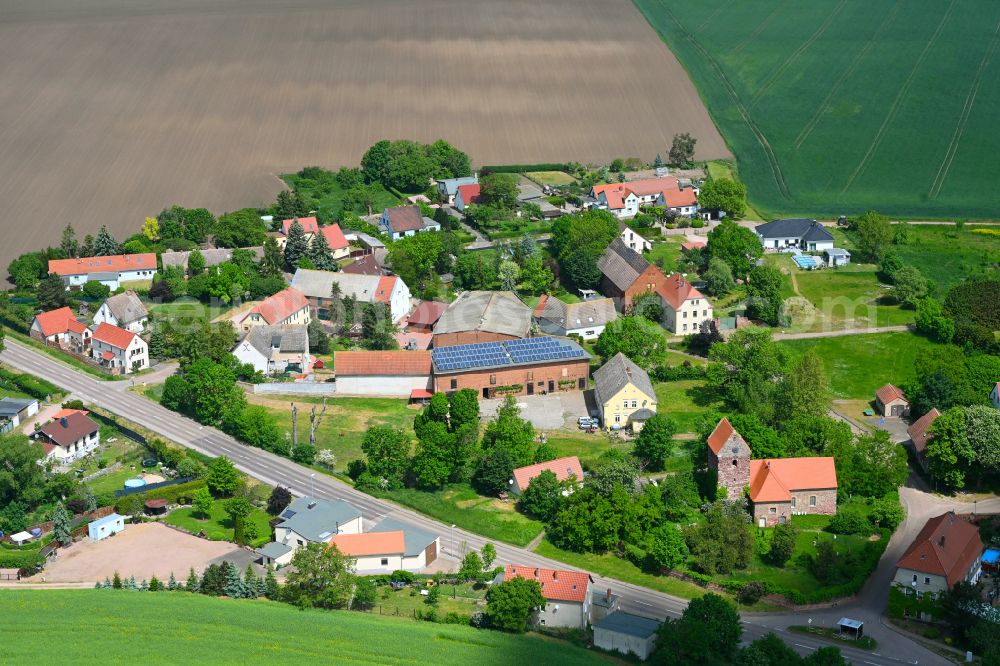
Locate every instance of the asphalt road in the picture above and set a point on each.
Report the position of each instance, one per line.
(274, 470)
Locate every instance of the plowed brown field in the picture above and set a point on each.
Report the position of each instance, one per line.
(111, 110)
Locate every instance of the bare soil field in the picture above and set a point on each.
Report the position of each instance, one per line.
(112, 110)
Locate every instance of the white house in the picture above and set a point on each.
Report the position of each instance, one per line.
(105, 527)
(124, 311)
(317, 287)
(389, 546)
(801, 233)
(634, 240)
(395, 373)
(406, 221)
(467, 194)
(287, 307)
(567, 595)
(420, 547)
(110, 271)
(70, 435)
(309, 520)
(624, 200)
(61, 327)
(118, 350)
(627, 633)
(686, 309)
(449, 187)
(586, 319)
(275, 349)
(13, 411)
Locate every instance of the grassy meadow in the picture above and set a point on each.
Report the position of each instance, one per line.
(190, 628)
(838, 106)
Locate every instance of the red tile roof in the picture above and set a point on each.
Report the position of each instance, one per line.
(723, 432)
(918, 431)
(693, 245)
(386, 284)
(112, 264)
(66, 412)
(470, 194)
(275, 309)
(69, 428)
(374, 363)
(542, 300)
(676, 290)
(427, 313)
(557, 585)
(888, 393)
(673, 195)
(677, 198)
(946, 546)
(334, 237)
(309, 225)
(421, 394)
(59, 321)
(616, 198)
(107, 356)
(563, 468)
(370, 543)
(118, 338)
(775, 480)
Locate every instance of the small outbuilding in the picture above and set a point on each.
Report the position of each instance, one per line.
(627, 633)
(106, 526)
(21, 538)
(836, 256)
(156, 507)
(890, 401)
(851, 628)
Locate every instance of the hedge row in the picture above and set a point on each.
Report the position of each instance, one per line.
(522, 168)
(28, 559)
(173, 494)
(33, 386)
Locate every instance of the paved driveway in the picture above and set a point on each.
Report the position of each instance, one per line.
(546, 412)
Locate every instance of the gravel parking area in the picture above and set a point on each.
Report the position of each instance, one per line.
(546, 412)
(142, 550)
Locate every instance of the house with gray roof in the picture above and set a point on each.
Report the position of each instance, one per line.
(483, 316)
(624, 393)
(125, 311)
(620, 266)
(586, 319)
(213, 256)
(275, 349)
(627, 633)
(804, 234)
(309, 520)
(15, 410)
(448, 187)
(421, 546)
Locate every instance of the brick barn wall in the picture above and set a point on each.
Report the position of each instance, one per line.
(651, 279)
(470, 337)
(480, 379)
(826, 505)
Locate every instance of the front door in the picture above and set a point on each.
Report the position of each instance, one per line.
(552, 386)
(531, 389)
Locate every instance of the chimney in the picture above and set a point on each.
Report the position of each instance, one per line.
(312, 504)
(64, 422)
(941, 541)
(536, 574)
(555, 576)
(609, 595)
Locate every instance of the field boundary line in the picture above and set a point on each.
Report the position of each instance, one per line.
(711, 17)
(779, 177)
(963, 119)
(756, 31)
(808, 128)
(796, 54)
(890, 116)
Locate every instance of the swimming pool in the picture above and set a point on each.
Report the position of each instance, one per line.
(805, 261)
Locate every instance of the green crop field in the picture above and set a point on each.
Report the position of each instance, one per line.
(194, 629)
(839, 106)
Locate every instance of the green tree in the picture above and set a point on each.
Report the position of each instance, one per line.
(909, 286)
(764, 300)
(472, 271)
(463, 409)
(413, 257)
(319, 340)
(873, 235)
(507, 430)
(239, 509)
(536, 277)
(886, 512)
(666, 547)
(201, 502)
(541, 497)
(511, 604)
(782, 544)
(273, 261)
(648, 305)
(870, 466)
(61, 530)
(641, 340)
(296, 246)
(387, 452)
(69, 245)
(365, 593)
(488, 555)
(52, 293)
(949, 453)
(105, 244)
(984, 437)
(746, 370)
(718, 278)
(377, 328)
(812, 434)
(321, 255)
(449, 161)
(509, 274)
(242, 228)
(432, 464)
(708, 632)
(577, 242)
(580, 268)
(472, 567)
(22, 479)
(682, 150)
(500, 190)
(805, 390)
(736, 245)
(723, 542)
(725, 195)
(196, 262)
(655, 443)
(932, 322)
(320, 577)
(223, 479)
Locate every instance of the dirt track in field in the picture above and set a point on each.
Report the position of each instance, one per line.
(112, 110)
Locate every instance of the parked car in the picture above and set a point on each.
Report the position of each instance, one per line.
(585, 422)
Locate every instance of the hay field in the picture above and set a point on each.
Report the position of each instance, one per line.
(112, 110)
(837, 106)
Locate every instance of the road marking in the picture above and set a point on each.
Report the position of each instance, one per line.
(808, 647)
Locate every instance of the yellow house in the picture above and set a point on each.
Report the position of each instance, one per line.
(624, 394)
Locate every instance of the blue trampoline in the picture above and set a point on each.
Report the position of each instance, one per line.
(991, 558)
(805, 261)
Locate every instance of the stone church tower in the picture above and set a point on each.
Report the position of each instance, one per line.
(729, 458)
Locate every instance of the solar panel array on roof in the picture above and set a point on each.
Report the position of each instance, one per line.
(509, 352)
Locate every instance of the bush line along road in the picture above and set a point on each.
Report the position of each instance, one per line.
(275, 470)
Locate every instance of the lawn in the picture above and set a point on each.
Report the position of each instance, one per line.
(946, 256)
(846, 299)
(12, 393)
(859, 364)
(685, 401)
(326, 196)
(460, 505)
(191, 628)
(218, 526)
(588, 447)
(405, 602)
(835, 108)
(551, 178)
(346, 420)
(668, 249)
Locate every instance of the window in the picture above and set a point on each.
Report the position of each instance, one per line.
(685, 315)
(793, 502)
(704, 313)
(385, 561)
(812, 500)
(493, 379)
(914, 579)
(927, 580)
(685, 327)
(454, 384)
(531, 375)
(634, 404)
(773, 510)
(624, 404)
(618, 418)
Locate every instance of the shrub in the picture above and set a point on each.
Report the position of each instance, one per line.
(33, 386)
(887, 512)
(849, 521)
(750, 593)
